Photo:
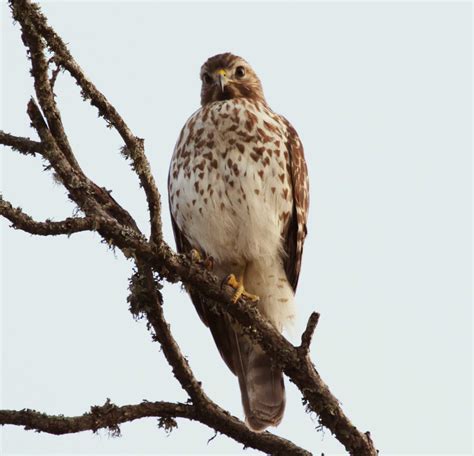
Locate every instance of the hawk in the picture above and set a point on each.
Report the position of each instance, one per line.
(238, 194)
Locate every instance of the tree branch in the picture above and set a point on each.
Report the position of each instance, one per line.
(106, 416)
(307, 335)
(92, 199)
(134, 146)
(110, 416)
(54, 129)
(25, 146)
(43, 89)
(24, 222)
(145, 299)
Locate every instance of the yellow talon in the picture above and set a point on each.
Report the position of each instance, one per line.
(238, 285)
(232, 281)
(195, 256)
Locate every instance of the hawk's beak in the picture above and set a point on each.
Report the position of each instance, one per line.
(221, 79)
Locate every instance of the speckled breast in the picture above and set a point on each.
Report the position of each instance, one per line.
(229, 185)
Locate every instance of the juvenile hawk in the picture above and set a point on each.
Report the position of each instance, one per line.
(238, 192)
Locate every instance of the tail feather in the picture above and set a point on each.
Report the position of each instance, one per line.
(262, 389)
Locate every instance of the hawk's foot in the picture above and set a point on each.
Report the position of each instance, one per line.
(196, 257)
(238, 286)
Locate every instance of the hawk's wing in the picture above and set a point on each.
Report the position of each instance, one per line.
(297, 230)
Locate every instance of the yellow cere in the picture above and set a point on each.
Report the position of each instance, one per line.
(220, 72)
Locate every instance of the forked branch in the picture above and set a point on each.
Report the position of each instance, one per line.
(26, 12)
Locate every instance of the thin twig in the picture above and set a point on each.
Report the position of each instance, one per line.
(54, 73)
(24, 222)
(307, 335)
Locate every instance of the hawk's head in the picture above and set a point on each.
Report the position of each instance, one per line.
(227, 76)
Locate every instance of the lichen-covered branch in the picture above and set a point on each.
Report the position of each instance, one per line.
(27, 12)
(145, 300)
(109, 416)
(24, 222)
(295, 362)
(39, 69)
(23, 145)
(91, 199)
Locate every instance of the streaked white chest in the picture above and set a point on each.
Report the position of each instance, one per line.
(229, 181)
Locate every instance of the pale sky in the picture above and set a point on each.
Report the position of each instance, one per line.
(380, 94)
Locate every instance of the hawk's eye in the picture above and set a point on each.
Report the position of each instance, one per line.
(240, 72)
(207, 78)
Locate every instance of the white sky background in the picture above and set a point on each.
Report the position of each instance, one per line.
(381, 97)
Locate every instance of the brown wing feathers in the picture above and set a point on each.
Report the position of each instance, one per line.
(297, 230)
